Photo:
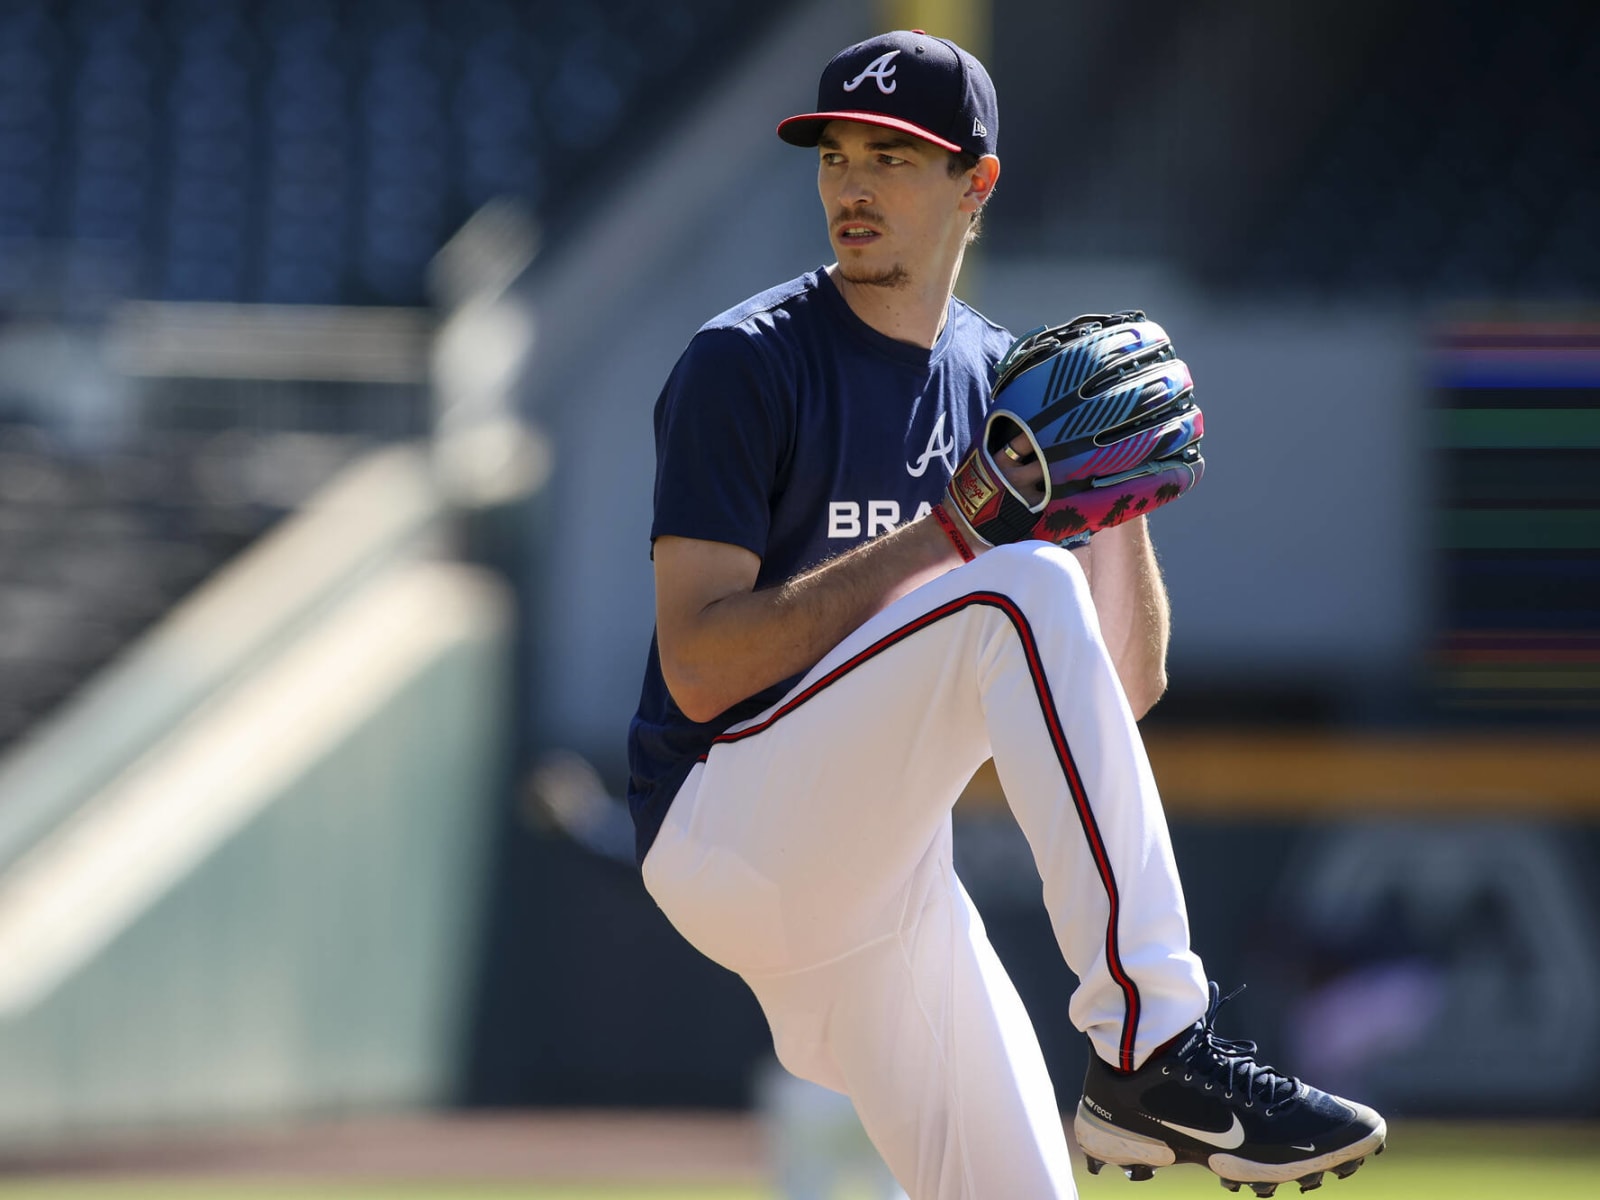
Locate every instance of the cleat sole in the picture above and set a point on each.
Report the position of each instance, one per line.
(1138, 1155)
(1347, 1169)
(1342, 1163)
(1119, 1147)
(1263, 1189)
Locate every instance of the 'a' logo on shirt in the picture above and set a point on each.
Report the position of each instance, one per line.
(944, 450)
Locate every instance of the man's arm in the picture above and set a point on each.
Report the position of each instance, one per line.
(721, 642)
(1129, 597)
(1131, 602)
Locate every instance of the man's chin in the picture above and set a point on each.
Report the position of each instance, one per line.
(882, 277)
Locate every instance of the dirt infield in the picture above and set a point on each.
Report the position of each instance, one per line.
(565, 1146)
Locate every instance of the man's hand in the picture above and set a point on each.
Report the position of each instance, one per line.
(1106, 406)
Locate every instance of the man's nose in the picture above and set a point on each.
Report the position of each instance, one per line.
(854, 188)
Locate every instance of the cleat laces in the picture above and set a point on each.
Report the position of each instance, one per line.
(1232, 1062)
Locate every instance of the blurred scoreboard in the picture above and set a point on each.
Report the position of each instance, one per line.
(1515, 425)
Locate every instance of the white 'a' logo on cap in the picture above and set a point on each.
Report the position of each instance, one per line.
(879, 69)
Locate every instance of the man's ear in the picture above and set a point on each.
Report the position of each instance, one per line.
(981, 181)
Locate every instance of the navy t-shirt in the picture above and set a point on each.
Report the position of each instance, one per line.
(792, 428)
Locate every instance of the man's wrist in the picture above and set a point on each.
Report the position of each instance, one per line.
(959, 531)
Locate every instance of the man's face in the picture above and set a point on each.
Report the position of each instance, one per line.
(894, 211)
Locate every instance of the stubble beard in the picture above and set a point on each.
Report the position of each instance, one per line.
(894, 277)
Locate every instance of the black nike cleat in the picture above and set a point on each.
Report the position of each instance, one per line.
(1204, 1099)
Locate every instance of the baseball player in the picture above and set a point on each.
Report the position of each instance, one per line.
(864, 490)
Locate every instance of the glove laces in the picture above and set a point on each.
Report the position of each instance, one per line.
(1232, 1063)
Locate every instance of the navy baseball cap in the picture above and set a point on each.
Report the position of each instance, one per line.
(925, 86)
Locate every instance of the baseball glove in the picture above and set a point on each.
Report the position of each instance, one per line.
(1105, 403)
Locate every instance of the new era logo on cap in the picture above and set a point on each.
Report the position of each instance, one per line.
(925, 86)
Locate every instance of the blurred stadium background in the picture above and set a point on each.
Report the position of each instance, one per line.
(329, 331)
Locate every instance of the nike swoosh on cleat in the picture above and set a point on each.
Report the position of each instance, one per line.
(1307, 1149)
(1224, 1139)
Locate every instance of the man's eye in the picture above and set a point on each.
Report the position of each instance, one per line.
(890, 160)
(833, 160)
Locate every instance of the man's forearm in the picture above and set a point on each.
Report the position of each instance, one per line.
(1131, 602)
(748, 641)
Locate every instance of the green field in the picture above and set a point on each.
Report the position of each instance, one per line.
(1423, 1162)
(1467, 1161)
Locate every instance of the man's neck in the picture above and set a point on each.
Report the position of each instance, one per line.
(913, 313)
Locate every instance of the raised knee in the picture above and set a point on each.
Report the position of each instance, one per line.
(1037, 567)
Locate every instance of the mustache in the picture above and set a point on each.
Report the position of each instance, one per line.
(868, 216)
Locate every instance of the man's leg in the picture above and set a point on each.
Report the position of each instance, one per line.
(925, 1033)
(801, 840)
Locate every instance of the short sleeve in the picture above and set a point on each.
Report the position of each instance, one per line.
(720, 437)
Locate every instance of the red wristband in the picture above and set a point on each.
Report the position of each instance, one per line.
(951, 532)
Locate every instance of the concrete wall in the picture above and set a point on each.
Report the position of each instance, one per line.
(274, 914)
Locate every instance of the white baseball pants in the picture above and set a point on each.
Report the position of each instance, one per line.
(810, 852)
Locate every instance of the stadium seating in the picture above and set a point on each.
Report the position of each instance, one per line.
(292, 151)
(1416, 151)
(1458, 166)
(262, 151)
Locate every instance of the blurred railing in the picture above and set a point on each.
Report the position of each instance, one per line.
(242, 872)
(383, 507)
(157, 445)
